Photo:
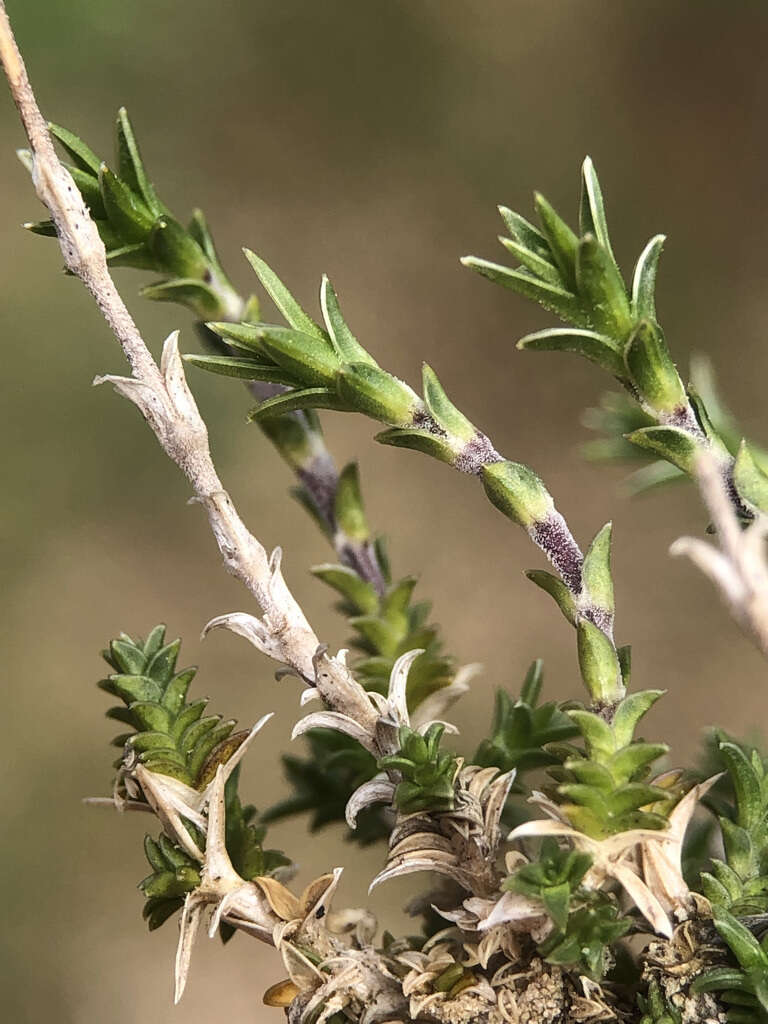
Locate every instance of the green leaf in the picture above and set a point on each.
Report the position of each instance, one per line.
(240, 367)
(592, 210)
(562, 240)
(598, 663)
(557, 300)
(740, 940)
(419, 441)
(526, 234)
(625, 662)
(750, 480)
(538, 265)
(557, 900)
(557, 590)
(597, 733)
(601, 287)
(443, 411)
(311, 360)
(598, 348)
(651, 369)
(131, 166)
(644, 280)
(517, 492)
(745, 783)
(136, 255)
(531, 688)
(373, 391)
(243, 336)
(596, 572)
(628, 762)
(282, 298)
(630, 711)
(305, 398)
(127, 213)
(350, 585)
(175, 250)
(83, 155)
(348, 505)
(348, 349)
(187, 292)
(673, 444)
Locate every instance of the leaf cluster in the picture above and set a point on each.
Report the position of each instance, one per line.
(594, 924)
(426, 771)
(138, 229)
(552, 878)
(169, 734)
(743, 988)
(606, 786)
(521, 730)
(739, 883)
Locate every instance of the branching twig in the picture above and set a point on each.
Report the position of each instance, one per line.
(162, 395)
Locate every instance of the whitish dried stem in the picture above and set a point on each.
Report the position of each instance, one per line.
(738, 566)
(162, 395)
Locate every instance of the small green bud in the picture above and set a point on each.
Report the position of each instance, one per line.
(598, 663)
(517, 492)
(348, 505)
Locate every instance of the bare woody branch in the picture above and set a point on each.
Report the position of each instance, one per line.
(164, 399)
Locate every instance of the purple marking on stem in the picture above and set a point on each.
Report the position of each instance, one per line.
(477, 453)
(554, 538)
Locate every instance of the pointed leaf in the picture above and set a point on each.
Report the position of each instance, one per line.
(373, 391)
(419, 441)
(283, 299)
(596, 572)
(644, 279)
(598, 348)
(538, 265)
(651, 369)
(348, 349)
(562, 240)
(672, 443)
(306, 398)
(443, 411)
(240, 367)
(83, 155)
(526, 234)
(630, 711)
(131, 166)
(592, 211)
(602, 289)
(127, 212)
(556, 300)
(557, 590)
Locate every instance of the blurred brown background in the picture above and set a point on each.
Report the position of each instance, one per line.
(370, 140)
